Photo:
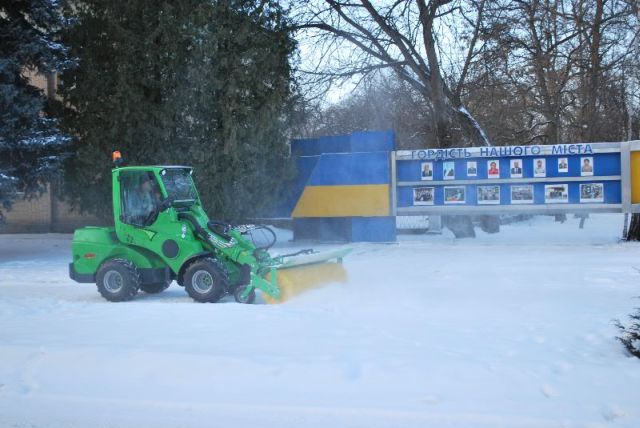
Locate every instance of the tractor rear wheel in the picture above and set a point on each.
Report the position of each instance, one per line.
(118, 280)
(156, 287)
(206, 280)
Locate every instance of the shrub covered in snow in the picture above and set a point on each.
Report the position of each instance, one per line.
(630, 336)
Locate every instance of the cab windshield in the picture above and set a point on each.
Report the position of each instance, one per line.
(179, 185)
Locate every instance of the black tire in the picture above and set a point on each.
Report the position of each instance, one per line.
(239, 290)
(118, 280)
(156, 287)
(206, 280)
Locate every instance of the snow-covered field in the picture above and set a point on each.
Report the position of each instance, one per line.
(507, 330)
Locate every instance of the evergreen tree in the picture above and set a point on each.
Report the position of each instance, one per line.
(195, 82)
(30, 142)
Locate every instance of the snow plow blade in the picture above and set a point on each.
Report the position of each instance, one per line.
(306, 272)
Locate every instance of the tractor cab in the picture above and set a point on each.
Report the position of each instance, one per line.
(145, 192)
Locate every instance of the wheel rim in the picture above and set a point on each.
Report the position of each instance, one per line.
(202, 281)
(113, 281)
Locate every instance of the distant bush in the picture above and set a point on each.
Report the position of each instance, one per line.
(630, 337)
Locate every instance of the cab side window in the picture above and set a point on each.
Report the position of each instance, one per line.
(140, 197)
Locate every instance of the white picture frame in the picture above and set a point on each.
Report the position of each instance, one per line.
(472, 169)
(455, 195)
(591, 193)
(563, 165)
(493, 168)
(515, 168)
(449, 170)
(539, 167)
(423, 195)
(488, 194)
(586, 166)
(556, 193)
(521, 194)
(426, 171)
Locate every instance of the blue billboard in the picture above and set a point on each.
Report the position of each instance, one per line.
(561, 177)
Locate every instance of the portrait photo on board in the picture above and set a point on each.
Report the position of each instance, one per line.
(493, 168)
(472, 169)
(540, 167)
(516, 168)
(449, 170)
(522, 194)
(556, 193)
(586, 166)
(426, 171)
(454, 195)
(488, 195)
(423, 195)
(591, 192)
(563, 165)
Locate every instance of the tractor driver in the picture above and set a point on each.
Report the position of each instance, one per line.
(144, 199)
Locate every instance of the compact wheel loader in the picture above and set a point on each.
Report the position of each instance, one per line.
(162, 233)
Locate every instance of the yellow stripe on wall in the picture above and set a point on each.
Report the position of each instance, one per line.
(635, 177)
(363, 200)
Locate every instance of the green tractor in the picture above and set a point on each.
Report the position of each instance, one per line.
(162, 233)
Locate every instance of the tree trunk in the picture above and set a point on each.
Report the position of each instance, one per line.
(442, 118)
(591, 116)
(460, 225)
(490, 223)
(634, 228)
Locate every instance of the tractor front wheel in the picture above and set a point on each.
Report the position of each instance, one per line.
(156, 287)
(118, 280)
(206, 280)
(240, 290)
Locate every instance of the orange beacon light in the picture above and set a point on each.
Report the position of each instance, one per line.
(116, 157)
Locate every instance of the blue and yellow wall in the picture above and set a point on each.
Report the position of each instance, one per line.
(343, 188)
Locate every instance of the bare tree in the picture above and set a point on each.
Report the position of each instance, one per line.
(553, 71)
(384, 102)
(539, 37)
(606, 54)
(358, 38)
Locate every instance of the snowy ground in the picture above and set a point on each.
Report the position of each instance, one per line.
(508, 330)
